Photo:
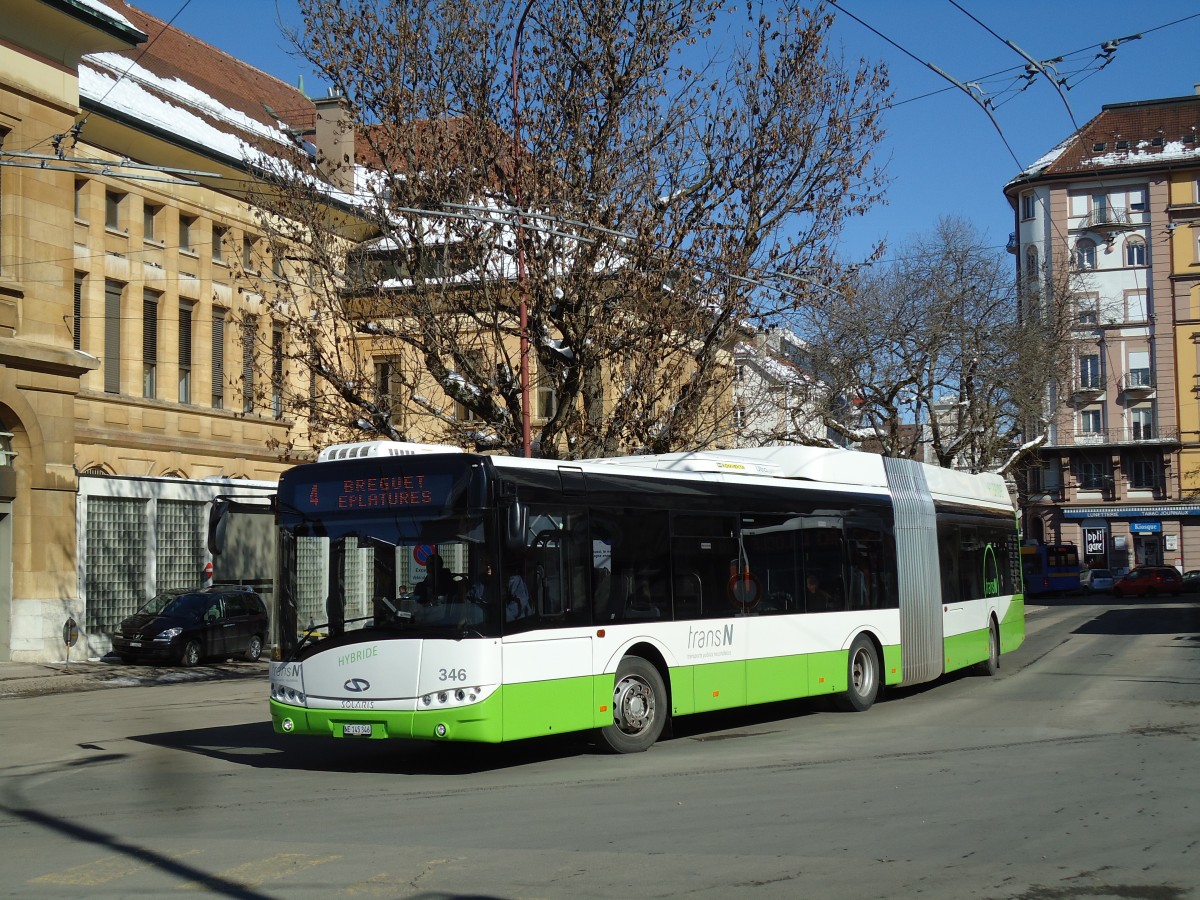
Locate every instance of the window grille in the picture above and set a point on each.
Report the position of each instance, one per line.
(180, 535)
(116, 561)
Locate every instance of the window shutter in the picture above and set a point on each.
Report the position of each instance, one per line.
(112, 336)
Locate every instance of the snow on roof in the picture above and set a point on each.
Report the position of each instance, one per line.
(1046, 160)
(97, 7)
(115, 82)
(1171, 151)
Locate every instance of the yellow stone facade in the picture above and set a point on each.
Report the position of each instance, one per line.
(68, 403)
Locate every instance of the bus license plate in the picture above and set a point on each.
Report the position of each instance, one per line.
(356, 729)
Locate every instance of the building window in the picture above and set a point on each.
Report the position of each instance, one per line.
(112, 336)
(248, 335)
(1091, 476)
(1135, 252)
(185, 353)
(389, 382)
(1141, 420)
(81, 186)
(187, 233)
(218, 243)
(1089, 309)
(149, 343)
(1135, 306)
(1032, 273)
(248, 262)
(77, 312)
(218, 358)
(1137, 200)
(547, 396)
(1089, 421)
(1100, 212)
(1143, 474)
(1028, 205)
(1139, 369)
(474, 364)
(113, 202)
(1090, 376)
(1085, 254)
(277, 372)
(150, 214)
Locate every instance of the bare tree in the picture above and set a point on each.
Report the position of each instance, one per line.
(634, 179)
(945, 348)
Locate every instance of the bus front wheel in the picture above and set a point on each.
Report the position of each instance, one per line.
(863, 677)
(639, 707)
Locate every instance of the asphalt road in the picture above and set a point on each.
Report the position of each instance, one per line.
(1072, 774)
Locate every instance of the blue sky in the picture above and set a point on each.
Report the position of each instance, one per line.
(942, 153)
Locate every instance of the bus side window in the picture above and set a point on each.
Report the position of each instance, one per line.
(631, 544)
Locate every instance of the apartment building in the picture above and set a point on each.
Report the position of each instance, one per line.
(1111, 210)
(133, 275)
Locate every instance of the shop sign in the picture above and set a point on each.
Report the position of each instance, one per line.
(1093, 541)
(1145, 527)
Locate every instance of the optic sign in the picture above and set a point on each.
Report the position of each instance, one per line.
(378, 492)
(1093, 541)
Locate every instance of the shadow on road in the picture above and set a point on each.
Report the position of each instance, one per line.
(1131, 620)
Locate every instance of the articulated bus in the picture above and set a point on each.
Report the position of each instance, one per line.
(1050, 569)
(432, 594)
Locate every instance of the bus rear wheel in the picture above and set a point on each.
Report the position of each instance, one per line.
(863, 677)
(639, 707)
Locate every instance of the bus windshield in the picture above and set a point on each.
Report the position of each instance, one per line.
(404, 575)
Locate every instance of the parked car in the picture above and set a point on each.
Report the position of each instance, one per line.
(1191, 580)
(1094, 580)
(188, 626)
(1148, 581)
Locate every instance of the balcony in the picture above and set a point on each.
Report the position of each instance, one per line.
(1086, 389)
(1135, 435)
(1110, 219)
(1137, 383)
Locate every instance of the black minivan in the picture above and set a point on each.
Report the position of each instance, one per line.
(188, 626)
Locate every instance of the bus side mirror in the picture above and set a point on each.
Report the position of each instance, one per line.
(217, 524)
(514, 526)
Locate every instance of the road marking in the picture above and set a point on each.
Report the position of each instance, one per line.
(100, 871)
(253, 874)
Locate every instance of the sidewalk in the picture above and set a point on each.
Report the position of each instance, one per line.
(39, 679)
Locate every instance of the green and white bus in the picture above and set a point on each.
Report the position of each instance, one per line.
(426, 593)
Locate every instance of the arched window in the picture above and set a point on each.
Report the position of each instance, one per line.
(1085, 254)
(1135, 252)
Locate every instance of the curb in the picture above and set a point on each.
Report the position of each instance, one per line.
(42, 679)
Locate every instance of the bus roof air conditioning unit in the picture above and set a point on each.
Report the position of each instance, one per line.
(369, 449)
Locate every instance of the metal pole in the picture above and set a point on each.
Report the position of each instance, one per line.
(522, 281)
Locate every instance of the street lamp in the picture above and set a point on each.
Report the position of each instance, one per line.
(522, 281)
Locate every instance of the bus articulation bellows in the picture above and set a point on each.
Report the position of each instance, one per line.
(426, 593)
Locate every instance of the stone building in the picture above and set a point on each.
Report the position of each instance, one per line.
(132, 274)
(1114, 206)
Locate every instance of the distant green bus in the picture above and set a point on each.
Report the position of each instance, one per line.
(425, 593)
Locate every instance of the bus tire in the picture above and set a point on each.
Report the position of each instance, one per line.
(991, 665)
(639, 707)
(863, 677)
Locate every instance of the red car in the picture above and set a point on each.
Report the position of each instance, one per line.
(1149, 581)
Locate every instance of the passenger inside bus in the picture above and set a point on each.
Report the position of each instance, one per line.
(817, 599)
(438, 583)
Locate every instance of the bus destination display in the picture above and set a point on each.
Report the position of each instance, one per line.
(376, 492)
